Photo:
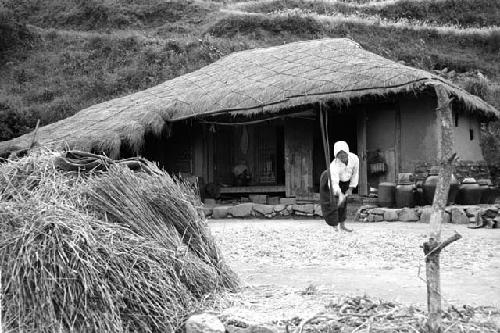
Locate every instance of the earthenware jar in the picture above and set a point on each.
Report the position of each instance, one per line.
(469, 192)
(419, 194)
(488, 191)
(405, 191)
(386, 194)
(430, 183)
(454, 187)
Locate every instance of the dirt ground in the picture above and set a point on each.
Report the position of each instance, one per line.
(295, 267)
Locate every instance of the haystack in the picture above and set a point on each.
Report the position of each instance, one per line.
(106, 251)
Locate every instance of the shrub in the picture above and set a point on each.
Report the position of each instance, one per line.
(462, 12)
(276, 24)
(12, 32)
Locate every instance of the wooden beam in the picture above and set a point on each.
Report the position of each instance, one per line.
(254, 189)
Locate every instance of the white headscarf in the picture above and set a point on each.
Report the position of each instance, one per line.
(338, 146)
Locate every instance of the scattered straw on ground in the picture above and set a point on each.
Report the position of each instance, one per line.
(322, 310)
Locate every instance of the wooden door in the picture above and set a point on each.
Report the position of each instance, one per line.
(299, 157)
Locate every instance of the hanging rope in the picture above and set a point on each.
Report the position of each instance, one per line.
(323, 119)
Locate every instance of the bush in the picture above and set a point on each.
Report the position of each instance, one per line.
(277, 24)
(493, 41)
(13, 122)
(105, 14)
(318, 7)
(462, 12)
(477, 86)
(12, 32)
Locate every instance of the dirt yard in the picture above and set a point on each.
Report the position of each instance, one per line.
(293, 267)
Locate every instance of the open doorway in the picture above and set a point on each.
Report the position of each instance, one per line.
(342, 126)
(258, 146)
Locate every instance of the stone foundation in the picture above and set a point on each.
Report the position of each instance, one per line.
(487, 215)
(246, 210)
(462, 169)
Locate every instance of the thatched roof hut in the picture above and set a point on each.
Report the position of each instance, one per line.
(257, 81)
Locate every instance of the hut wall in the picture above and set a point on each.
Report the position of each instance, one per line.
(419, 131)
(467, 143)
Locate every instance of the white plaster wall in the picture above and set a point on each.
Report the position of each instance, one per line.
(466, 149)
(418, 131)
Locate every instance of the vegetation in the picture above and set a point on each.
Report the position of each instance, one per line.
(464, 13)
(107, 14)
(58, 56)
(469, 13)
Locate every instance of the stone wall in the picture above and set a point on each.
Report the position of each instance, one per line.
(262, 206)
(463, 169)
(480, 215)
(249, 209)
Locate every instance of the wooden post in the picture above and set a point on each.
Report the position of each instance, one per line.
(1, 302)
(363, 175)
(433, 246)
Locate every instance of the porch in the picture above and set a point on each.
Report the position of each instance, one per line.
(283, 154)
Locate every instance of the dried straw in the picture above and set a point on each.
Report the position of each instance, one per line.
(113, 251)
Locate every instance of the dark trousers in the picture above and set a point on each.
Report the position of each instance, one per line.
(332, 213)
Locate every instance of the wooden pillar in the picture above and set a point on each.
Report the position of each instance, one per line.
(363, 169)
(198, 151)
(208, 172)
(397, 140)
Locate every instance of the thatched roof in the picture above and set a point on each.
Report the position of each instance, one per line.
(253, 81)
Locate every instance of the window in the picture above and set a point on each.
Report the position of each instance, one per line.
(471, 134)
(456, 118)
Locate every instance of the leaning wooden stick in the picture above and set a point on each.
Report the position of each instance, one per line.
(323, 119)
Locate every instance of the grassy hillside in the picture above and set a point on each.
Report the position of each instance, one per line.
(57, 56)
(465, 13)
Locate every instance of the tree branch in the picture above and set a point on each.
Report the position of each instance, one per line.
(437, 247)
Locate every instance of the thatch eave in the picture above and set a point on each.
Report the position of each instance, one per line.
(471, 103)
(245, 84)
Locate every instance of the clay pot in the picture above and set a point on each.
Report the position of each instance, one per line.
(405, 195)
(386, 194)
(488, 191)
(469, 193)
(429, 188)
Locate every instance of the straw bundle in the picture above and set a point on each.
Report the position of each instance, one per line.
(112, 251)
